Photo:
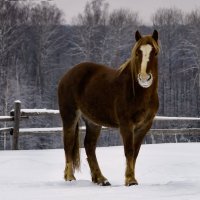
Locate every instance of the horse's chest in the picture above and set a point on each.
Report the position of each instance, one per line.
(140, 116)
(144, 114)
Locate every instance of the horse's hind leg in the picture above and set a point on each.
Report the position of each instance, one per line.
(92, 134)
(71, 144)
(70, 148)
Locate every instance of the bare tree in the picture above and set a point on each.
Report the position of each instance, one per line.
(122, 25)
(103, 37)
(90, 31)
(11, 36)
(192, 46)
(48, 40)
(168, 22)
(192, 20)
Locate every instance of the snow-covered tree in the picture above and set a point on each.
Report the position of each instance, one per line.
(90, 31)
(12, 19)
(168, 22)
(46, 20)
(122, 25)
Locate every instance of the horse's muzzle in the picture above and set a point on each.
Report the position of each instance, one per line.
(145, 83)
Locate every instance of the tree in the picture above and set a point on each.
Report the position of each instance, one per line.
(12, 19)
(104, 37)
(192, 45)
(92, 26)
(168, 22)
(90, 31)
(122, 25)
(48, 41)
(193, 41)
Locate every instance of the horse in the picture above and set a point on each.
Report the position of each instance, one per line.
(124, 98)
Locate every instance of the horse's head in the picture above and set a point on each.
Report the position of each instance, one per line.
(145, 54)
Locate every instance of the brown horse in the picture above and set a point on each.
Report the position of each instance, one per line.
(125, 98)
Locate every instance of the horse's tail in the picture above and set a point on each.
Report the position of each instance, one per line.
(75, 152)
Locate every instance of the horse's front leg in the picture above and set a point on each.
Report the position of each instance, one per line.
(128, 140)
(92, 134)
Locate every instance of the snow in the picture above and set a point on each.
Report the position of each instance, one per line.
(39, 111)
(177, 118)
(164, 171)
(6, 118)
(40, 130)
(6, 129)
(47, 130)
(17, 101)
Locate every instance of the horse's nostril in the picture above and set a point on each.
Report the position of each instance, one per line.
(150, 76)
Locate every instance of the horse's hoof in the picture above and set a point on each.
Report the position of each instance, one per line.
(69, 178)
(105, 183)
(130, 184)
(102, 181)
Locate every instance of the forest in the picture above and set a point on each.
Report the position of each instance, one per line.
(37, 47)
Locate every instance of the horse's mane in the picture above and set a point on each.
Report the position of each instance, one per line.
(124, 65)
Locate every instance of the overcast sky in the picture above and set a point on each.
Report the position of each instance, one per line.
(145, 8)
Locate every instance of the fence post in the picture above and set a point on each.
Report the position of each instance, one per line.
(17, 114)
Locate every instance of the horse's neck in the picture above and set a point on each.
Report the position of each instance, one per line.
(126, 78)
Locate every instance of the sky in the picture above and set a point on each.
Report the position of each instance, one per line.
(145, 8)
(164, 172)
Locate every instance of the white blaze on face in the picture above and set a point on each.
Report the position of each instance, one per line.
(146, 50)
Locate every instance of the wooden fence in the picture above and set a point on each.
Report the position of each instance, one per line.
(18, 114)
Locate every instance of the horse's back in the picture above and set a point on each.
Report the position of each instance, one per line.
(86, 71)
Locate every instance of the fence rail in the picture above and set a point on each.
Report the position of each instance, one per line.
(18, 114)
(36, 112)
(6, 118)
(164, 118)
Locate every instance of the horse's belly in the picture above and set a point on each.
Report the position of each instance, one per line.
(100, 117)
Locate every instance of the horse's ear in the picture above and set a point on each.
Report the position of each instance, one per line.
(155, 35)
(137, 35)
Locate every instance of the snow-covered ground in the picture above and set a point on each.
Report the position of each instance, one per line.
(164, 171)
